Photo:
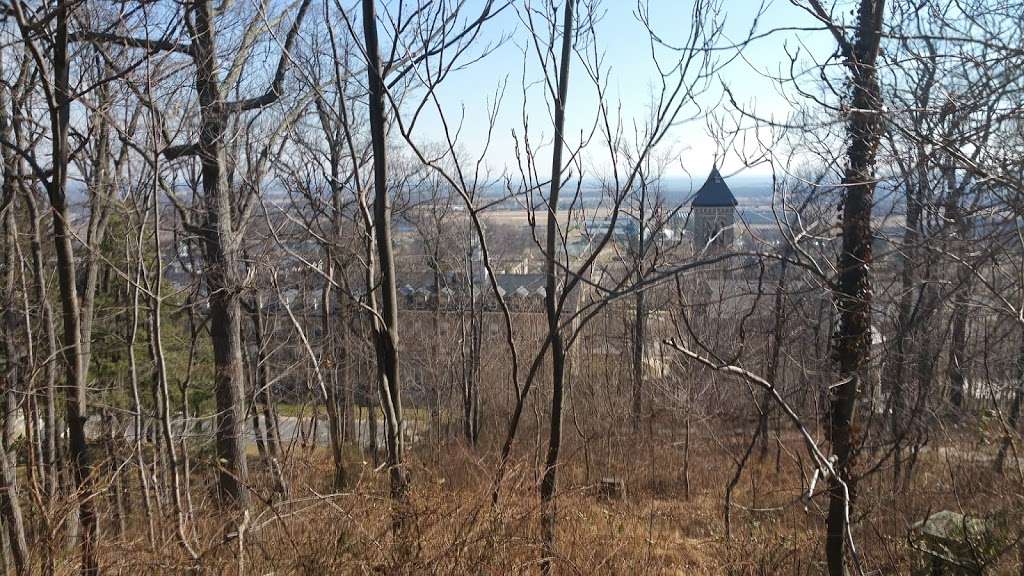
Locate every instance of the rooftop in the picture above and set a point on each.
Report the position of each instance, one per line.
(714, 192)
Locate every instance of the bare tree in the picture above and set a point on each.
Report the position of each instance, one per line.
(852, 338)
(221, 221)
(15, 368)
(53, 65)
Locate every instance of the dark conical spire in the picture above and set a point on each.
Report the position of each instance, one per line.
(714, 192)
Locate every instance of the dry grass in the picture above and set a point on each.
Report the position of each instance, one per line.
(452, 527)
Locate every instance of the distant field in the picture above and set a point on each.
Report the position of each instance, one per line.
(522, 217)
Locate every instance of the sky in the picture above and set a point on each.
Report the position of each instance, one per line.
(623, 44)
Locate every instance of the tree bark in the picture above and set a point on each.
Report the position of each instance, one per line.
(386, 328)
(10, 506)
(549, 480)
(471, 367)
(330, 346)
(1013, 420)
(51, 447)
(774, 352)
(75, 362)
(222, 265)
(905, 325)
(263, 387)
(639, 351)
(852, 338)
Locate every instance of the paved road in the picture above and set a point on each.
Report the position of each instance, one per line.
(291, 429)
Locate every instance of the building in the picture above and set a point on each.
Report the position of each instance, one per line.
(626, 228)
(714, 214)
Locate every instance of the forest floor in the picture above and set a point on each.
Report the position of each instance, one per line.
(671, 519)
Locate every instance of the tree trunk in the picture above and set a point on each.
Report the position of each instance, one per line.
(10, 507)
(963, 284)
(346, 360)
(222, 266)
(899, 368)
(1013, 419)
(76, 375)
(774, 353)
(471, 368)
(639, 351)
(386, 331)
(956, 371)
(51, 447)
(549, 480)
(263, 387)
(160, 366)
(139, 419)
(852, 338)
(330, 347)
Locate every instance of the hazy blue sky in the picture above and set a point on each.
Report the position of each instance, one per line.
(623, 41)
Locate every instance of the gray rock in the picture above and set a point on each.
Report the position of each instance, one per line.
(955, 544)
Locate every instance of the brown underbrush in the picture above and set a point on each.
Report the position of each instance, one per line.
(670, 520)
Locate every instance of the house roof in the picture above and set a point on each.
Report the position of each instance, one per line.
(512, 283)
(521, 285)
(714, 192)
